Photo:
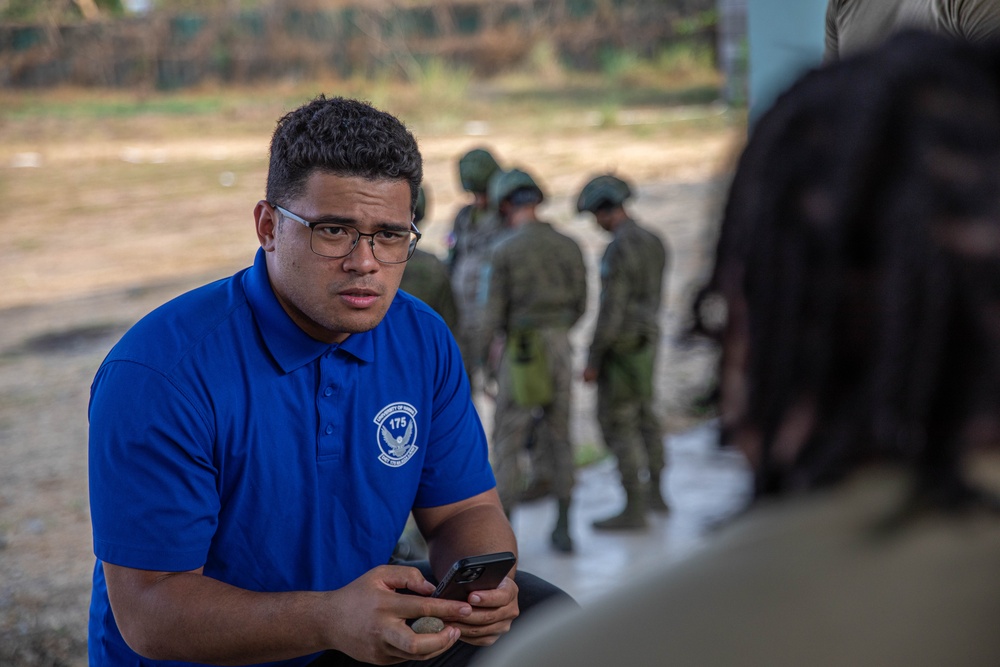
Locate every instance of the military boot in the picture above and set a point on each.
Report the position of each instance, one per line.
(561, 541)
(631, 518)
(654, 496)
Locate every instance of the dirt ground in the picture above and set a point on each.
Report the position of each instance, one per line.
(102, 225)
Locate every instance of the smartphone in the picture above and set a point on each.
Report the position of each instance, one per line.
(476, 573)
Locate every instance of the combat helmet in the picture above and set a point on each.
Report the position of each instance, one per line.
(475, 169)
(505, 183)
(421, 208)
(606, 190)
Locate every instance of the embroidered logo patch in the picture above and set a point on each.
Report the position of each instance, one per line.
(397, 433)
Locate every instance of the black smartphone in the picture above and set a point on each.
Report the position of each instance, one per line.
(476, 573)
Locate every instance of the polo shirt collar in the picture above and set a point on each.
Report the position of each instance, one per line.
(290, 346)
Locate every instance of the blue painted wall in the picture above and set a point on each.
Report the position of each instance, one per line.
(785, 39)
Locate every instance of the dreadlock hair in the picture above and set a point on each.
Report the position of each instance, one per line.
(344, 137)
(859, 258)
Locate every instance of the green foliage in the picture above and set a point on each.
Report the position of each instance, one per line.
(48, 10)
(543, 60)
(617, 63)
(442, 81)
(688, 59)
(19, 10)
(588, 453)
(113, 7)
(204, 5)
(608, 114)
(700, 22)
(116, 107)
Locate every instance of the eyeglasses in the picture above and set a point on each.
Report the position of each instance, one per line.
(329, 239)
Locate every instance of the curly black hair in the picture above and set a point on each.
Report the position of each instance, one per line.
(344, 137)
(859, 257)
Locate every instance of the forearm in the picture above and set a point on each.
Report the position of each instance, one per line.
(477, 530)
(194, 618)
(473, 527)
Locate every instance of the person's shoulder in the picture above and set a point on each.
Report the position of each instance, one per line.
(413, 315)
(562, 239)
(508, 242)
(648, 232)
(463, 216)
(635, 233)
(426, 260)
(171, 331)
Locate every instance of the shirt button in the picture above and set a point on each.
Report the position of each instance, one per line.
(329, 429)
(328, 391)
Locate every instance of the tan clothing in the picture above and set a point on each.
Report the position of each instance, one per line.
(853, 25)
(808, 581)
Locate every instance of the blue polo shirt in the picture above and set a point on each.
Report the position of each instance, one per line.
(223, 436)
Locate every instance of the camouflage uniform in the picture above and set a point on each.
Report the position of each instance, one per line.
(624, 348)
(537, 283)
(469, 243)
(426, 277)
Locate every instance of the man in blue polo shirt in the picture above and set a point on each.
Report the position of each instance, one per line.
(256, 445)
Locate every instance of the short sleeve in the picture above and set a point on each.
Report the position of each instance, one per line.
(153, 489)
(457, 465)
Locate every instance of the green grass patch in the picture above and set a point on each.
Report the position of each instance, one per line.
(588, 453)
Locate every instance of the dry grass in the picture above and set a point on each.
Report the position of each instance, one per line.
(124, 188)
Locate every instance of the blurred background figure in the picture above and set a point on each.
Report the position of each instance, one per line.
(468, 244)
(536, 292)
(426, 276)
(852, 25)
(622, 357)
(856, 293)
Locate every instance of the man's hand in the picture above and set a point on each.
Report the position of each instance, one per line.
(589, 374)
(476, 525)
(371, 624)
(492, 613)
(190, 617)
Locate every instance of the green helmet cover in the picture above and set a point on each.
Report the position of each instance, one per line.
(606, 190)
(475, 169)
(505, 183)
(421, 208)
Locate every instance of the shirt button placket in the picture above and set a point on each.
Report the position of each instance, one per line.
(329, 440)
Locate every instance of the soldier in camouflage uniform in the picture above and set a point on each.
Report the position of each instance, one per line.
(537, 290)
(468, 243)
(426, 276)
(622, 355)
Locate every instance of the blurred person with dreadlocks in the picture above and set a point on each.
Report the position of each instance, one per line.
(622, 357)
(469, 241)
(536, 291)
(856, 294)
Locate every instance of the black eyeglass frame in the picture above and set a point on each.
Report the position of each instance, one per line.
(413, 232)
